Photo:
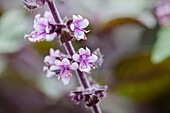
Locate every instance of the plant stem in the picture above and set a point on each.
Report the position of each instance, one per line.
(70, 50)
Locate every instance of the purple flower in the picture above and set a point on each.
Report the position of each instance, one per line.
(90, 96)
(32, 4)
(77, 27)
(42, 28)
(50, 59)
(64, 66)
(86, 59)
(162, 12)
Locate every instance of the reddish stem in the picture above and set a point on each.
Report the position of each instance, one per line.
(70, 50)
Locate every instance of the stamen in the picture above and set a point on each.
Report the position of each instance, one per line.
(59, 77)
(94, 68)
(81, 67)
(45, 39)
(29, 36)
(37, 40)
(87, 31)
(89, 72)
(85, 38)
(77, 37)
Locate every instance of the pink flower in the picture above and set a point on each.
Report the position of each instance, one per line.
(65, 67)
(42, 28)
(77, 27)
(86, 59)
(162, 12)
(50, 59)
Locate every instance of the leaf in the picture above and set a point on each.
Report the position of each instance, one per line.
(161, 50)
(139, 79)
(13, 24)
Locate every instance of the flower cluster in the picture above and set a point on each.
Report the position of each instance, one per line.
(42, 28)
(162, 12)
(77, 27)
(85, 59)
(45, 28)
(32, 4)
(90, 96)
(62, 65)
(58, 63)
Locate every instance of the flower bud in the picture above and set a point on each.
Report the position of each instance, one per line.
(30, 4)
(40, 2)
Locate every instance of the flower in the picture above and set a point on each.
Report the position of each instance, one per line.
(100, 57)
(64, 66)
(77, 27)
(162, 12)
(50, 59)
(86, 59)
(32, 4)
(42, 26)
(90, 96)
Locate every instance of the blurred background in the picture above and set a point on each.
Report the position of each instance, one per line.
(136, 66)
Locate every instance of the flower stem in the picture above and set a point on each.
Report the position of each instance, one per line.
(54, 11)
(70, 50)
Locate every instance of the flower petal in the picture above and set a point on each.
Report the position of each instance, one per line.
(49, 60)
(84, 68)
(74, 66)
(82, 51)
(65, 80)
(57, 53)
(51, 51)
(50, 74)
(49, 17)
(75, 18)
(84, 23)
(40, 24)
(51, 37)
(80, 17)
(79, 34)
(88, 51)
(58, 63)
(65, 61)
(92, 58)
(54, 67)
(76, 57)
(72, 27)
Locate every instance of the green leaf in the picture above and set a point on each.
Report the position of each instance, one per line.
(13, 24)
(161, 50)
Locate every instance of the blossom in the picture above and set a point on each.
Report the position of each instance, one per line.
(32, 4)
(77, 27)
(90, 96)
(64, 67)
(54, 54)
(162, 12)
(86, 59)
(42, 27)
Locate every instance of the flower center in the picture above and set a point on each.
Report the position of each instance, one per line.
(83, 57)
